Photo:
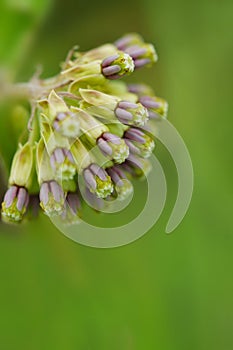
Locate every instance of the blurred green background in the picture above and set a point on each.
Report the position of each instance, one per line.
(166, 292)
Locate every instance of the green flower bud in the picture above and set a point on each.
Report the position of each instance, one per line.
(97, 82)
(137, 166)
(22, 166)
(99, 104)
(81, 156)
(90, 126)
(124, 189)
(53, 139)
(99, 53)
(45, 172)
(80, 70)
(57, 114)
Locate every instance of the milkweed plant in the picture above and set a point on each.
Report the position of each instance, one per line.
(85, 123)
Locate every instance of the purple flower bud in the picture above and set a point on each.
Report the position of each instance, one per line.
(67, 124)
(130, 113)
(139, 143)
(72, 208)
(52, 198)
(140, 89)
(116, 66)
(137, 166)
(15, 203)
(122, 185)
(157, 107)
(113, 146)
(98, 181)
(73, 201)
(117, 174)
(143, 54)
(94, 201)
(63, 164)
(128, 40)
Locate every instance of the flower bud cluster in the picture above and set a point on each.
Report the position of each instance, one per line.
(88, 124)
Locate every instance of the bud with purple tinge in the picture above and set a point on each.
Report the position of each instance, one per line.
(143, 54)
(15, 204)
(98, 181)
(139, 143)
(117, 66)
(67, 124)
(128, 40)
(72, 209)
(136, 166)
(114, 147)
(52, 198)
(140, 89)
(63, 164)
(122, 185)
(157, 106)
(131, 113)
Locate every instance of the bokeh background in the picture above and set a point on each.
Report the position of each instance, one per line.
(166, 292)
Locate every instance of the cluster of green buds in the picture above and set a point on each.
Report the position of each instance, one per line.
(86, 123)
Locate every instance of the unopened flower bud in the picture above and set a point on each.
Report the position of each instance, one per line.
(56, 113)
(81, 155)
(98, 181)
(157, 106)
(117, 66)
(15, 204)
(114, 147)
(136, 166)
(67, 124)
(142, 54)
(122, 185)
(99, 53)
(22, 166)
(52, 198)
(72, 209)
(89, 125)
(131, 113)
(139, 143)
(52, 139)
(93, 201)
(140, 89)
(81, 69)
(63, 164)
(128, 40)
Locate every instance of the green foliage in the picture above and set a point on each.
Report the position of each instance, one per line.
(19, 20)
